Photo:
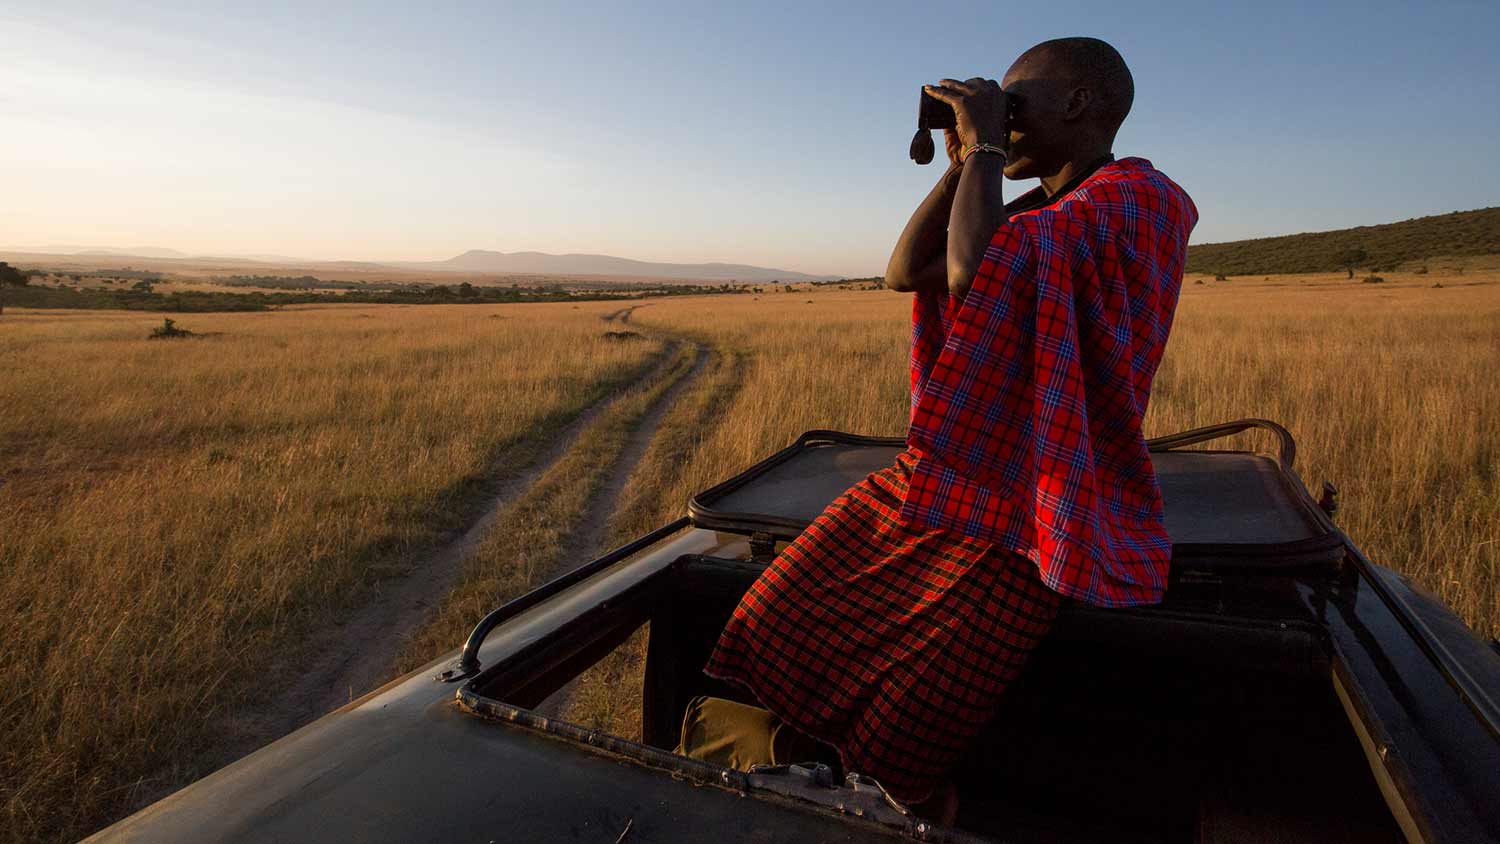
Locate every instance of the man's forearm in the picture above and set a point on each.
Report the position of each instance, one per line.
(978, 210)
(918, 263)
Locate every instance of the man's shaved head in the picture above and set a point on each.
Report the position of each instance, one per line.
(1073, 94)
(1093, 64)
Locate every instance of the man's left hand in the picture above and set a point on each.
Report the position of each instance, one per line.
(981, 108)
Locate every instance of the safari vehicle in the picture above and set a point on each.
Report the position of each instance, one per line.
(1288, 689)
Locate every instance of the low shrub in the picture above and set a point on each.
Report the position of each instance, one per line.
(168, 328)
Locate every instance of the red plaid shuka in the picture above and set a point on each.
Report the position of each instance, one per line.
(1028, 395)
(891, 626)
(890, 642)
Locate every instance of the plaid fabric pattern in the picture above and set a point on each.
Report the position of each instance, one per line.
(1028, 395)
(890, 642)
(931, 320)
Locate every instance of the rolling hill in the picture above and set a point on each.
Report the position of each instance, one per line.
(539, 264)
(1459, 233)
(111, 252)
(574, 264)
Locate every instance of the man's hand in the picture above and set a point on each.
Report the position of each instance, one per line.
(981, 108)
(955, 147)
(978, 205)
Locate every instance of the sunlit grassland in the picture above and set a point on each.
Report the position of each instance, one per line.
(174, 513)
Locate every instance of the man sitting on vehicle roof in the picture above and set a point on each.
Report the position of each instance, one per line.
(888, 630)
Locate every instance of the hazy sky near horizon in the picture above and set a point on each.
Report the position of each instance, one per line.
(768, 133)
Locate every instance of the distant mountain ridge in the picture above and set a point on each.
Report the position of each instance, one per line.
(477, 261)
(543, 263)
(112, 252)
(1458, 233)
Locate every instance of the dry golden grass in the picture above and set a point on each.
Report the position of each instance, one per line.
(524, 547)
(173, 514)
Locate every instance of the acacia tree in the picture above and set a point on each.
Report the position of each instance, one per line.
(10, 277)
(1351, 258)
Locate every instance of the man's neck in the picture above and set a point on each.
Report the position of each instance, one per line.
(1078, 163)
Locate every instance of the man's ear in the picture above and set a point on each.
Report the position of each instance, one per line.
(1077, 103)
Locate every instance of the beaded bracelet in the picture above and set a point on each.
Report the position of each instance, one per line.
(973, 148)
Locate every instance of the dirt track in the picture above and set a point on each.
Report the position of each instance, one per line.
(356, 654)
(622, 315)
(590, 542)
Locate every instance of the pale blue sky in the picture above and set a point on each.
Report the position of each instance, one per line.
(764, 133)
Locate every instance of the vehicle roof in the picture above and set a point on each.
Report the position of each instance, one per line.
(407, 763)
(1222, 509)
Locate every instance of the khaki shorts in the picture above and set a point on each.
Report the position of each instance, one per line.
(739, 736)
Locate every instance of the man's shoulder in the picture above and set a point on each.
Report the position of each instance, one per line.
(1132, 186)
(1128, 176)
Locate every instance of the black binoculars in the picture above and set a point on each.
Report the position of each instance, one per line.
(933, 113)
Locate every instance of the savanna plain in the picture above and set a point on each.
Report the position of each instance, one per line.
(184, 523)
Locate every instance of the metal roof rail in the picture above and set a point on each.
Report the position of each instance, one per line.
(467, 664)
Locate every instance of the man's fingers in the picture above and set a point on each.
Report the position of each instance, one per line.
(978, 84)
(941, 94)
(962, 87)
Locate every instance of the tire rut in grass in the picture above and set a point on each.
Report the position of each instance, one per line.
(589, 542)
(359, 652)
(552, 528)
(607, 695)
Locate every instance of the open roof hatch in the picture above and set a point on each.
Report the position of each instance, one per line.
(1225, 510)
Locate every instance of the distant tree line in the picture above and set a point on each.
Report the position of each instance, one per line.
(875, 281)
(142, 296)
(307, 282)
(14, 279)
